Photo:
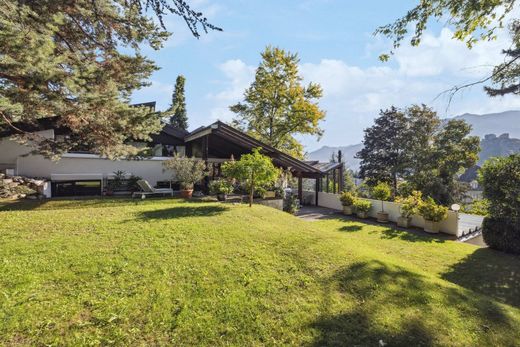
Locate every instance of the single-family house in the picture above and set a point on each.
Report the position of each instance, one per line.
(83, 173)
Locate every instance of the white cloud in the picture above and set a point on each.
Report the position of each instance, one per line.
(353, 95)
(238, 76)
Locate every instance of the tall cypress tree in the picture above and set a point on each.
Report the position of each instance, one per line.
(179, 118)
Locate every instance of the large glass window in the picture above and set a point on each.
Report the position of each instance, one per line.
(76, 188)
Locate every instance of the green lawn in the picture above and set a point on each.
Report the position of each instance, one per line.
(168, 272)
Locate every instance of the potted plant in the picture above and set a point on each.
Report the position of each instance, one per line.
(362, 207)
(409, 207)
(221, 188)
(347, 200)
(382, 192)
(432, 214)
(187, 171)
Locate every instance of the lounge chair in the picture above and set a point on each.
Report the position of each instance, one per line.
(147, 189)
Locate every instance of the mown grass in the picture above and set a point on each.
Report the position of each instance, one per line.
(169, 272)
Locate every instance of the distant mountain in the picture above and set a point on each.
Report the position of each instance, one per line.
(325, 153)
(494, 123)
(505, 123)
(497, 146)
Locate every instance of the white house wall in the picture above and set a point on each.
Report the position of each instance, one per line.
(10, 150)
(449, 226)
(36, 166)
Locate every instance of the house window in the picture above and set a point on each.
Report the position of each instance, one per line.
(76, 188)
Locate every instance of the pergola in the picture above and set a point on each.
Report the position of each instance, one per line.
(218, 142)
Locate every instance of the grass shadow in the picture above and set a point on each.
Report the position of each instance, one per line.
(401, 308)
(183, 211)
(489, 272)
(411, 235)
(71, 203)
(351, 228)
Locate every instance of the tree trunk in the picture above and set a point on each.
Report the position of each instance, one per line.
(251, 190)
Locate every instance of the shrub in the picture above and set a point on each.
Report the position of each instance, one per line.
(429, 210)
(502, 234)
(187, 171)
(220, 186)
(479, 207)
(500, 178)
(362, 205)
(347, 198)
(410, 204)
(381, 191)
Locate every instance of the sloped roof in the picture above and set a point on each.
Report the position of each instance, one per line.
(234, 135)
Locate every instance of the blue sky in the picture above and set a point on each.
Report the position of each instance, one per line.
(337, 49)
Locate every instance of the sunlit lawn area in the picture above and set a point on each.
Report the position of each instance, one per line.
(169, 272)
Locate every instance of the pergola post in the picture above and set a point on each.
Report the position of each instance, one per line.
(317, 189)
(341, 172)
(300, 187)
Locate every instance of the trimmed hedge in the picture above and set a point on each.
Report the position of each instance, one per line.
(502, 234)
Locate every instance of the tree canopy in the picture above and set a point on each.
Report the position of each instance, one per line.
(414, 145)
(254, 170)
(177, 111)
(79, 62)
(277, 105)
(472, 21)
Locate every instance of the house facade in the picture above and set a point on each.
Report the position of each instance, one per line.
(80, 173)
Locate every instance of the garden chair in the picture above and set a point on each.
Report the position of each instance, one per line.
(147, 189)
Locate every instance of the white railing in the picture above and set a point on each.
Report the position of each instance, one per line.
(449, 226)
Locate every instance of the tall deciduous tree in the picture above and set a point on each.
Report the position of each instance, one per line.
(277, 105)
(79, 62)
(414, 145)
(177, 111)
(472, 21)
(383, 157)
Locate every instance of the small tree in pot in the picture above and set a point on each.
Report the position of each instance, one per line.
(382, 191)
(347, 200)
(409, 207)
(254, 170)
(221, 188)
(187, 171)
(362, 207)
(432, 214)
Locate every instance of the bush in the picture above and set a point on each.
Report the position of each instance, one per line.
(500, 178)
(381, 191)
(362, 205)
(220, 186)
(429, 210)
(187, 171)
(410, 204)
(502, 234)
(479, 207)
(347, 198)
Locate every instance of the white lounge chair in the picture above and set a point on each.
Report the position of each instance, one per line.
(147, 189)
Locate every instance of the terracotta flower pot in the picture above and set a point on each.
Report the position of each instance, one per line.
(347, 210)
(431, 226)
(186, 193)
(382, 217)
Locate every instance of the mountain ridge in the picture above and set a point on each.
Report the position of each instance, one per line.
(505, 126)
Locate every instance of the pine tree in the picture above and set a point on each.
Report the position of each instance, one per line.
(178, 117)
(79, 62)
